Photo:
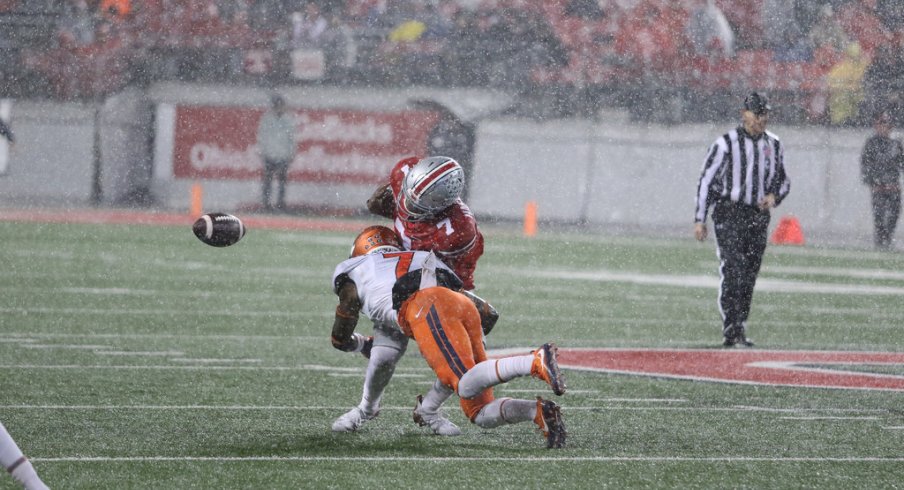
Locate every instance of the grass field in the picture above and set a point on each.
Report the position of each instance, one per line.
(137, 357)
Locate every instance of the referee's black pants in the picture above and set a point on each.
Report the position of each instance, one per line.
(886, 208)
(740, 243)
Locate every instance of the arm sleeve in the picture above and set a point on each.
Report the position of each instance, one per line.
(866, 164)
(711, 165)
(346, 318)
(781, 185)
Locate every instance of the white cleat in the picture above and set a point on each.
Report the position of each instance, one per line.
(352, 420)
(437, 422)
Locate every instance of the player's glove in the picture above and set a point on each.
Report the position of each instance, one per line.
(488, 315)
(368, 345)
(354, 343)
(382, 202)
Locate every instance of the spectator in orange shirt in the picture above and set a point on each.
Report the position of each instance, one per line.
(116, 8)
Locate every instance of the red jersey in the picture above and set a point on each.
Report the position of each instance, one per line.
(452, 235)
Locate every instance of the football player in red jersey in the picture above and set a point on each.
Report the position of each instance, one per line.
(423, 198)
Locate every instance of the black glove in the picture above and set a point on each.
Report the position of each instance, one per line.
(347, 344)
(354, 343)
(368, 345)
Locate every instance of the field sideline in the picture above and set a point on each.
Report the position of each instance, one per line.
(134, 356)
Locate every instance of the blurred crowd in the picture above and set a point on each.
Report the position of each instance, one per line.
(827, 61)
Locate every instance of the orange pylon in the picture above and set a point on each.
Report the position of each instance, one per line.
(788, 232)
(530, 218)
(197, 197)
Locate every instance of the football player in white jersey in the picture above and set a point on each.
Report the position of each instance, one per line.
(388, 343)
(17, 464)
(416, 293)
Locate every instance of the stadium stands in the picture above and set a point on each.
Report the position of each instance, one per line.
(615, 52)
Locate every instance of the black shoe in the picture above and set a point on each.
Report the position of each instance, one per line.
(734, 336)
(549, 420)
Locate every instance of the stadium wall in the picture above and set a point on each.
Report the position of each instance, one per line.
(611, 173)
(53, 160)
(625, 175)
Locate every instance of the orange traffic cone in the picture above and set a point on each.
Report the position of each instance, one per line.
(788, 232)
(530, 218)
(196, 203)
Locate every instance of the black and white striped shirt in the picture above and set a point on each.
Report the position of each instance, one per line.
(743, 169)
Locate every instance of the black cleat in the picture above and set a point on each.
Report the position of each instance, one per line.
(735, 336)
(546, 367)
(549, 420)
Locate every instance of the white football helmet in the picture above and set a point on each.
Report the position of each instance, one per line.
(431, 185)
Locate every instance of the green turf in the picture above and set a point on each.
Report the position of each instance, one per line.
(137, 357)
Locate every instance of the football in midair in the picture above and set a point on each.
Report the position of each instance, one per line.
(219, 229)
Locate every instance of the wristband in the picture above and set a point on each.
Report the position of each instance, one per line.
(343, 314)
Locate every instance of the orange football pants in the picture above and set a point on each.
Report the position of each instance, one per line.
(446, 326)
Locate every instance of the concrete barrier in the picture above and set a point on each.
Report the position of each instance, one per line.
(612, 173)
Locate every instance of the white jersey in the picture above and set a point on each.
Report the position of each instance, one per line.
(374, 276)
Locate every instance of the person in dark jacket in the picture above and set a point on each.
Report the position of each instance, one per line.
(880, 168)
(7, 132)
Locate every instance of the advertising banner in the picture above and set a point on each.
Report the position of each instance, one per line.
(335, 146)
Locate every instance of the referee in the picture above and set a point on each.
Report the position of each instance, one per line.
(744, 177)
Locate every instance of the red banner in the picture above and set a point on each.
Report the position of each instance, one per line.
(336, 146)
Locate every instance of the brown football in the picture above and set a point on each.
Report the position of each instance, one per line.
(219, 229)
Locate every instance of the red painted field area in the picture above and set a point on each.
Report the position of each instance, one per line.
(818, 369)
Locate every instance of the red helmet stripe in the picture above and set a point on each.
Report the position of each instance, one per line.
(433, 176)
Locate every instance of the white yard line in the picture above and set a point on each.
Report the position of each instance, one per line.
(794, 410)
(165, 353)
(638, 400)
(615, 342)
(629, 408)
(462, 459)
(408, 408)
(66, 346)
(500, 389)
(600, 342)
(836, 272)
(213, 360)
(828, 418)
(304, 367)
(186, 407)
(76, 367)
(193, 312)
(31, 336)
(834, 253)
(699, 281)
(802, 367)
